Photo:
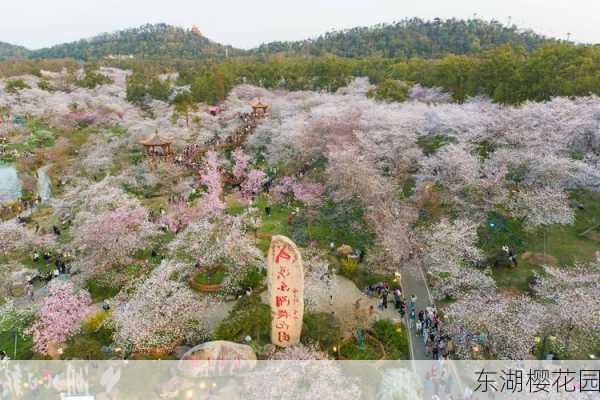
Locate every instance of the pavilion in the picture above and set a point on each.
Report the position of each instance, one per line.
(157, 145)
(259, 107)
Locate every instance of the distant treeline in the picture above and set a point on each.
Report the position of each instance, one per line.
(507, 74)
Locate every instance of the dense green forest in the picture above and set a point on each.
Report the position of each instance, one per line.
(411, 38)
(148, 41)
(405, 39)
(8, 51)
(507, 74)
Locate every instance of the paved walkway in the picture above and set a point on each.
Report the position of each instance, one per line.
(414, 282)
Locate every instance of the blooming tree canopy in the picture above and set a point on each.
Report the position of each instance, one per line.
(60, 315)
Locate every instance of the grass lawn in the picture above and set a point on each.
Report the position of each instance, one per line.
(100, 292)
(24, 345)
(563, 242)
(274, 224)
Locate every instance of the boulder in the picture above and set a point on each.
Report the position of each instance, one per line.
(180, 351)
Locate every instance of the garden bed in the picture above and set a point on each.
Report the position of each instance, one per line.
(208, 280)
(374, 349)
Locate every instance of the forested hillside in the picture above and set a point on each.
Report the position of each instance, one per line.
(408, 38)
(147, 41)
(412, 38)
(8, 51)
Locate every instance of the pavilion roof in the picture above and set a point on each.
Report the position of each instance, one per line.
(156, 140)
(258, 104)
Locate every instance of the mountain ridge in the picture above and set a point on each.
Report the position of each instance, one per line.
(407, 38)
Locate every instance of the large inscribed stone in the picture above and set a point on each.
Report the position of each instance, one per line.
(286, 291)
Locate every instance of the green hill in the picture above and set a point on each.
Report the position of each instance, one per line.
(405, 39)
(147, 41)
(411, 38)
(8, 51)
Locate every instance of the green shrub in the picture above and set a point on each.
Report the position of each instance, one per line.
(393, 338)
(249, 317)
(348, 267)
(92, 78)
(321, 329)
(390, 90)
(252, 278)
(15, 85)
(44, 84)
(88, 346)
(94, 321)
(432, 143)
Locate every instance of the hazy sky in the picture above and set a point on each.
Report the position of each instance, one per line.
(247, 23)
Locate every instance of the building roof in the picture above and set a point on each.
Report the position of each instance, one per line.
(258, 104)
(155, 140)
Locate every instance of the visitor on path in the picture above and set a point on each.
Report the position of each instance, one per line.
(397, 298)
(413, 300)
(384, 299)
(419, 327)
(411, 318)
(402, 308)
(428, 347)
(435, 351)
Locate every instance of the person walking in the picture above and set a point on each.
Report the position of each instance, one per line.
(397, 298)
(384, 299)
(435, 351)
(413, 300)
(411, 319)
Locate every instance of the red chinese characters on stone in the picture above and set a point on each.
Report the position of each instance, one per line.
(286, 283)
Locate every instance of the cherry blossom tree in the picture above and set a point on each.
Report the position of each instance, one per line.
(431, 95)
(502, 324)
(221, 239)
(300, 352)
(541, 206)
(253, 184)
(60, 315)
(112, 237)
(570, 296)
(452, 166)
(210, 176)
(240, 160)
(16, 237)
(161, 311)
(299, 379)
(354, 175)
(400, 384)
(450, 258)
(180, 214)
